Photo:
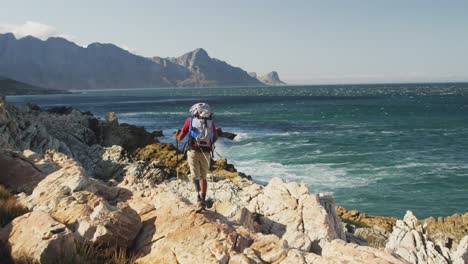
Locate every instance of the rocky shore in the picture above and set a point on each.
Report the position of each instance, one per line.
(93, 188)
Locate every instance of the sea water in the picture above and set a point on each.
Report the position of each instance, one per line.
(381, 149)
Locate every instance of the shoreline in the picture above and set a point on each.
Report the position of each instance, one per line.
(221, 166)
(105, 182)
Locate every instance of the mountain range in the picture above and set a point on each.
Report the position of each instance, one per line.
(60, 64)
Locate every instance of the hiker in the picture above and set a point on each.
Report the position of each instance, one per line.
(202, 136)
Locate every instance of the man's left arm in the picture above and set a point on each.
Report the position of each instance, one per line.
(215, 133)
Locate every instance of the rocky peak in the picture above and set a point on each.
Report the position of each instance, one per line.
(253, 74)
(271, 78)
(7, 36)
(59, 40)
(193, 58)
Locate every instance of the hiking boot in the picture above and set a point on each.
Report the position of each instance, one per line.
(200, 206)
(209, 203)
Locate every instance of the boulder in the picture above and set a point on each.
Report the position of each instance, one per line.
(460, 256)
(37, 238)
(157, 133)
(289, 211)
(95, 211)
(375, 236)
(338, 251)
(109, 225)
(130, 137)
(224, 134)
(111, 119)
(17, 172)
(409, 240)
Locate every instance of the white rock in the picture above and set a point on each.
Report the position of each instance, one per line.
(460, 256)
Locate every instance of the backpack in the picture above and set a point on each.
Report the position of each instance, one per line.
(201, 126)
(201, 131)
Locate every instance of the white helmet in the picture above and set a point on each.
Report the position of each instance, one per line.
(201, 110)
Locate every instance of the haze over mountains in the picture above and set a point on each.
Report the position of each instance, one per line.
(60, 64)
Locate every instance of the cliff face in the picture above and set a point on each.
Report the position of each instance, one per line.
(271, 78)
(83, 188)
(205, 70)
(60, 64)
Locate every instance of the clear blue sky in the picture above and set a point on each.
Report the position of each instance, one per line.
(305, 41)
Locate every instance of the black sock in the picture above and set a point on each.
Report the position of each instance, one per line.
(197, 185)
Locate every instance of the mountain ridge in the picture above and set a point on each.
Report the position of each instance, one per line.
(61, 64)
(12, 87)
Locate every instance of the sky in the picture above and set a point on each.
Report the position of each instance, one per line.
(306, 42)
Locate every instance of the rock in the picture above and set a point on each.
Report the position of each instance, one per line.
(271, 78)
(130, 137)
(301, 219)
(227, 135)
(460, 256)
(448, 231)
(356, 239)
(157, 133)
(270, 249)
(152, 171)
(17, 173)
(282, 208)
(83, 203)
(73, 133)
(39, 238)
(206, 71)
(111, 119)
(46, 164)
(60, 110)
(365, 220)
(339, 251)
(410, 240)
(109, 225)
(374, 236)
(4, 113)
(174, 233)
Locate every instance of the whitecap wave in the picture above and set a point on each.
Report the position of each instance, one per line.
(151, 113)
(317, 176)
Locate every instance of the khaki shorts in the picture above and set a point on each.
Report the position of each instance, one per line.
(199, 163)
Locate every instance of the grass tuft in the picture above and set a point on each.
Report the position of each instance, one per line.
(93, 254)
(4, 193)
(9, 209)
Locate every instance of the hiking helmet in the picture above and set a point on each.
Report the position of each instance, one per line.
(201, 110)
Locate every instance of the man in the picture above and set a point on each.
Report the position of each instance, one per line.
(202, 135)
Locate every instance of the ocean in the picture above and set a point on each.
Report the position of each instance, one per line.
(381, 149)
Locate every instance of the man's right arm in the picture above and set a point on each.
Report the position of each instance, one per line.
(182, 133)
